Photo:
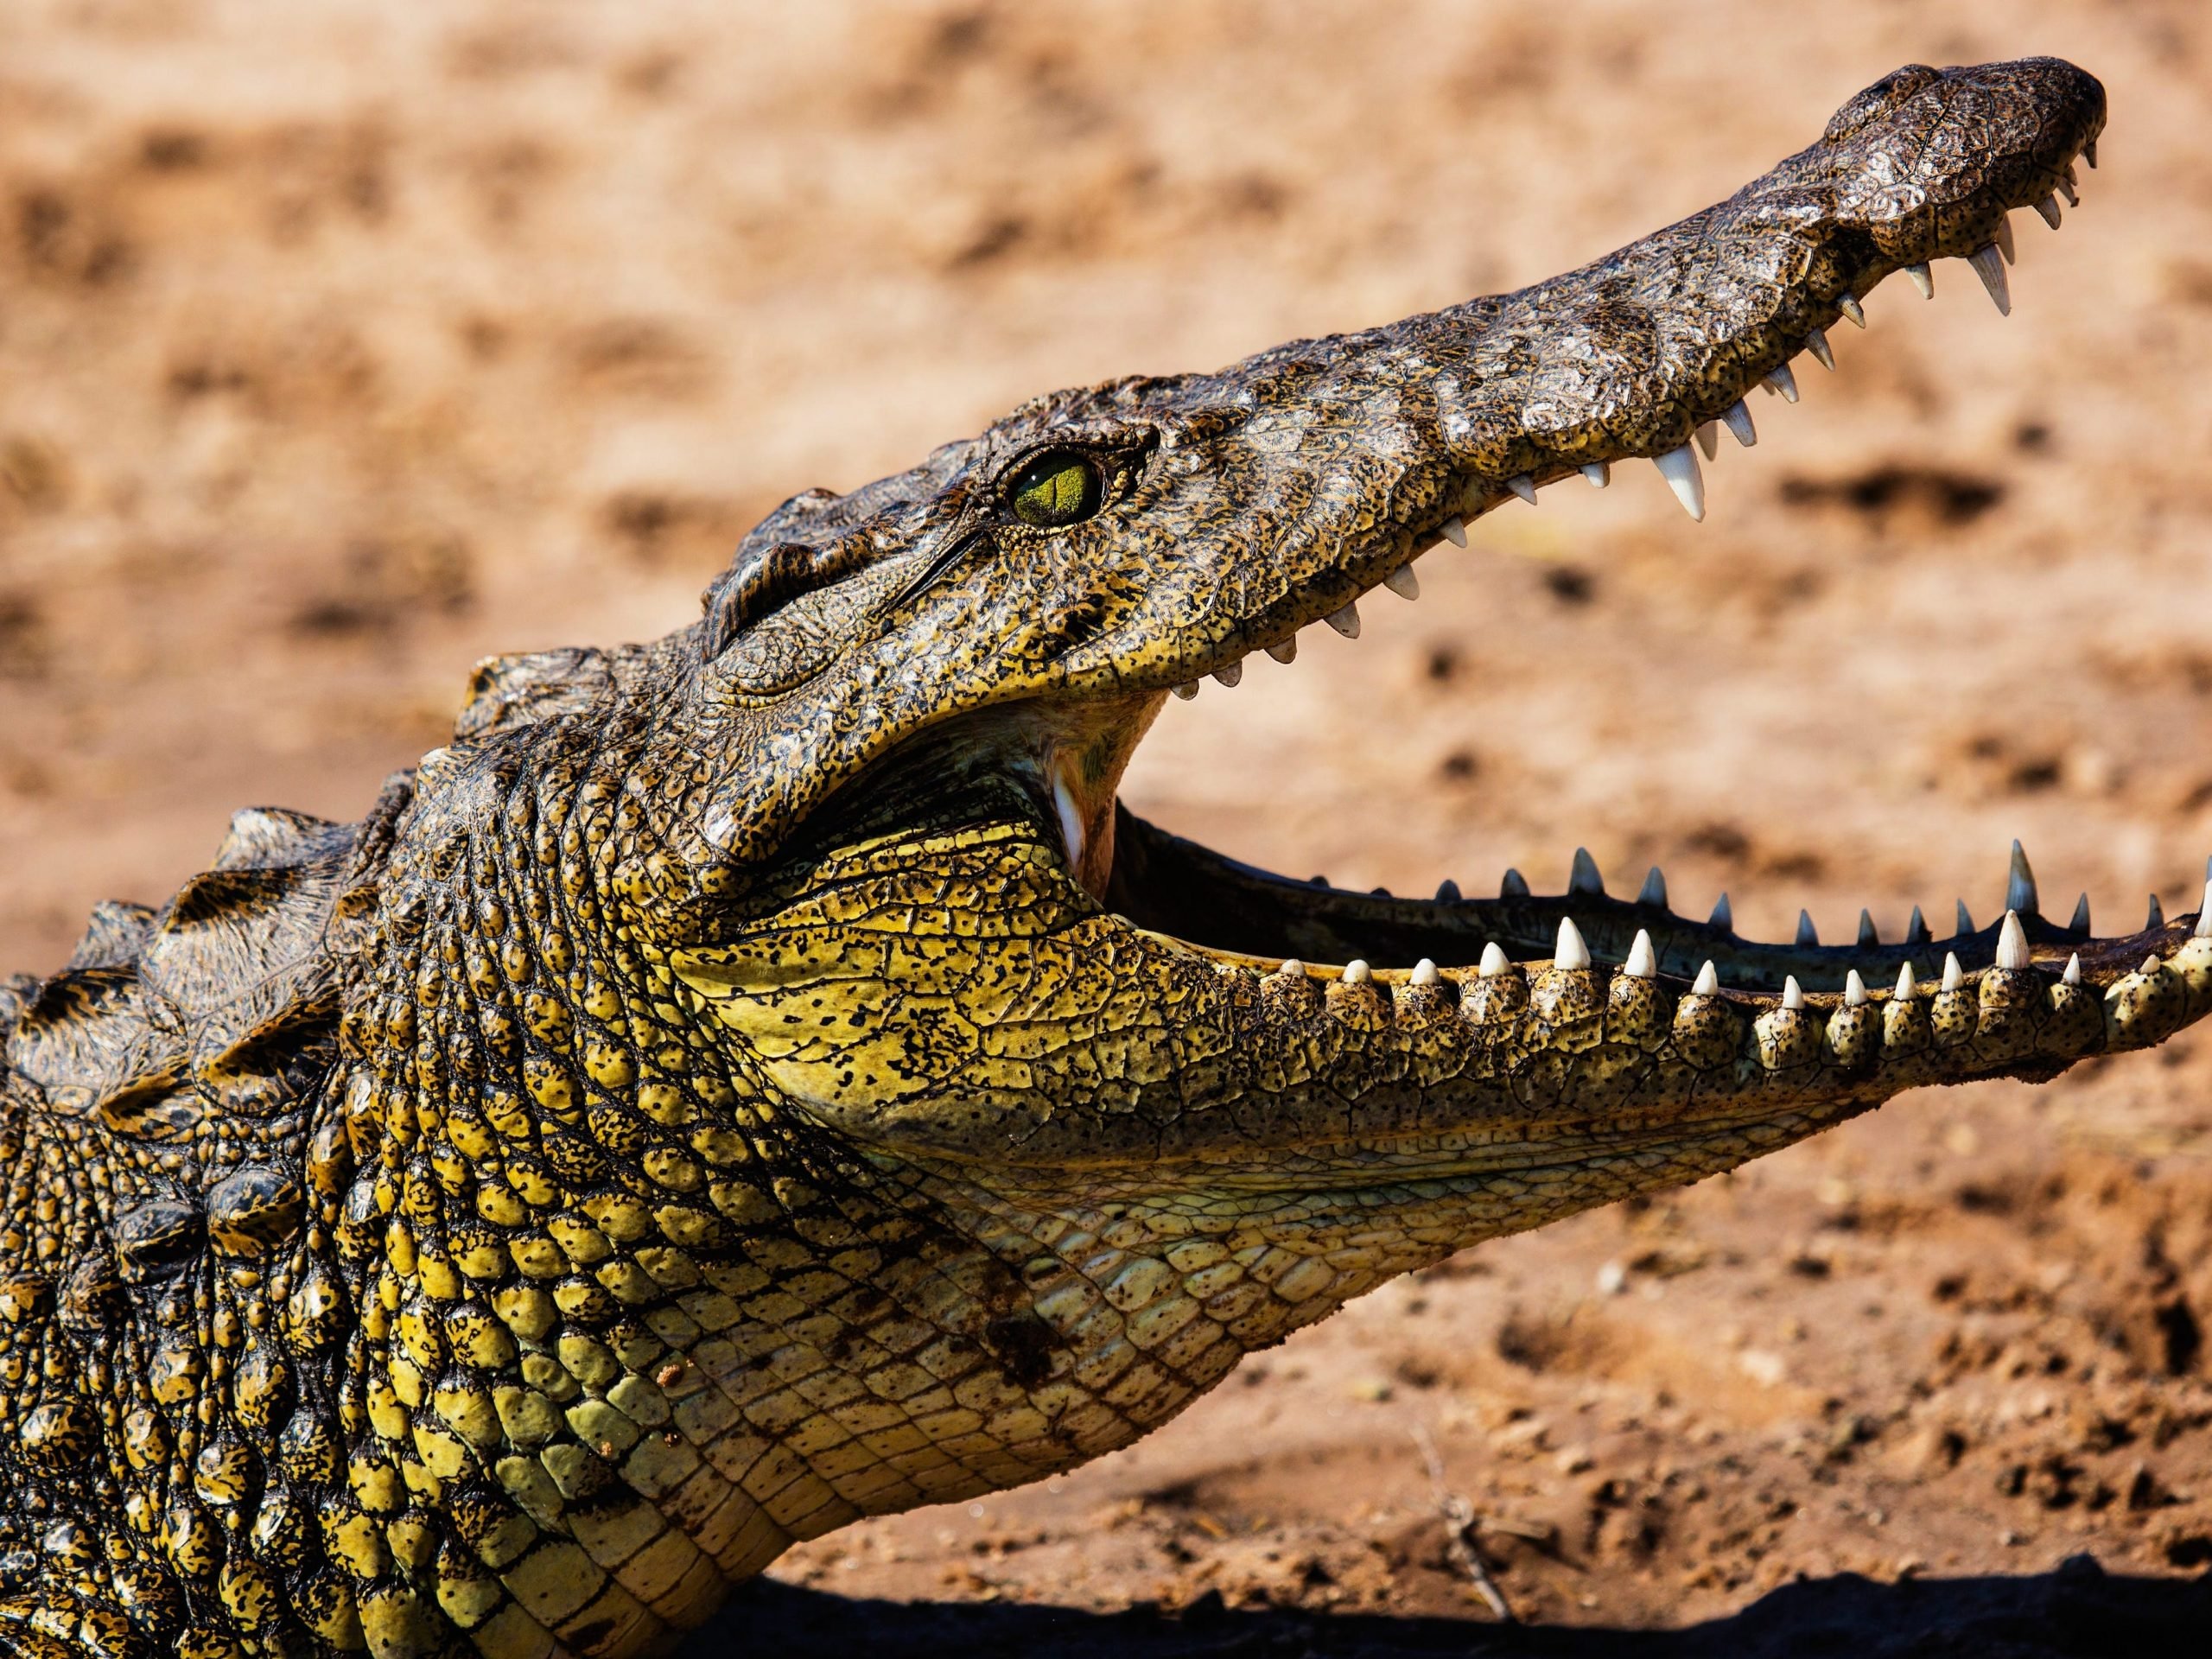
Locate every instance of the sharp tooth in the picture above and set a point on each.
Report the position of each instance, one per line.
(2004, 239)
(1809, 937)
(1642, 961)
(1455, 531)
(1345, 621)
(1570, 955)
(1708, 439)
(1903, 992)
(1708, 981)
(1738, 423)
(1188, 690)
(1722, 917)
(2066, 189)
(1654, 890)
(1447, 891)
(2089, 152)
(1679, 467)
(1599, 472)
(2048, 208)
(1989, 265)
(1854, 990)
(1402, 582)
(1522, 485)
(1965, 921)
(2011, 943)
(1848, 304)
(1284, 650)
(2151, 964)
(1424, 973)
(1954, 975)
(2020, 885)
(1494, 962)
(2158, 913)
(2073, 974)
(1915, 930)
(2080, 922)
(2070, 175)
(1792, 997)
(1817, 343)
(1071, 815)
(1868, 937)
(2203, 928)
(1584, 877)
(1230, 675)
(1780, 379)
(1923, 279)
(1513, 886)
(1292, 968)
(1357, 972)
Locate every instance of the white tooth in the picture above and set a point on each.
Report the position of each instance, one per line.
(2004, 239)
(2012, 943)
(1854, 990)
(1642, 961)
(1584, 877)
(1494, 962)
(1424, 973)
(1345, 621)
(2073, 974)
(1679, 467)
(1654, 891)
(1989, 265)
(1723, 917)
(1923, 279)
(1072, 830)
(1708, 981)
(2048, 208)
(1965, 921)
(1402, 582)
(2020, 884)
(2157, 915)
(1230, 675)
(1954, 975)
(1284, 650)
(1522, 485)
(1816, 342)
(1792, 997)
(1455, 531)
(1292, 968)
(1903, 992)
(1739, 422)
(1848, 304)
(2066, 189)
(2151, 964)
(1447, 891)
(1869, 936)
(1599, 472)
(1915, 928)
(2080, 922)
(1188, 690)
(1570, 955)
(1708, 439)
(1809, 937)
(1357, 972)
(1780, 379)
(2203, 928)
(1513, 886)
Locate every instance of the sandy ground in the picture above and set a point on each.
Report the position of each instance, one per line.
(343, 344)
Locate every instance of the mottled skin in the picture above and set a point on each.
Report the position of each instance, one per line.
(748, 1081)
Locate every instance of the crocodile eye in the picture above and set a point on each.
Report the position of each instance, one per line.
(1059, 487)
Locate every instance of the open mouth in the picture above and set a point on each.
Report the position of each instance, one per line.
(1271, 924)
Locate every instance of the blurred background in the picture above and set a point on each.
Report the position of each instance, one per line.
(342, 345)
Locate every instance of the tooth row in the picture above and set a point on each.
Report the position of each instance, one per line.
(1679, 466)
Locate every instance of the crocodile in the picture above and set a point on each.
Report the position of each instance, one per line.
(763, 1077)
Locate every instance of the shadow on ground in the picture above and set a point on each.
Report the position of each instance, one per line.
(2076, 1612)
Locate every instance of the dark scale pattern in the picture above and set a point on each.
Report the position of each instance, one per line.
(739, 1086)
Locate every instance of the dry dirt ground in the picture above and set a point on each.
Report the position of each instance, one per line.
(341, 344)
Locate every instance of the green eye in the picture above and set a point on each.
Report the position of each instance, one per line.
(1059, 487)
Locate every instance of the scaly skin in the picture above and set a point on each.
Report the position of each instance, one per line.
(758, 1079)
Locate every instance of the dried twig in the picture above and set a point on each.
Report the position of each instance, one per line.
(1459, 1528)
